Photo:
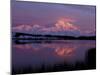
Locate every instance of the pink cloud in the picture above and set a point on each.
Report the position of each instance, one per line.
(62, 24)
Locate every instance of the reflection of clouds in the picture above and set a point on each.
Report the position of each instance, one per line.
(68, 51)
(26, 47)
(57, 49)
(60, 49)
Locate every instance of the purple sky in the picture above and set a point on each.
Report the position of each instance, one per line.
(49, 18)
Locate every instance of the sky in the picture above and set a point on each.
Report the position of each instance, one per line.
(52, 18)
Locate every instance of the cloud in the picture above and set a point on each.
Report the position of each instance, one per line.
(22, 27)
(65, 24)
(26, 27)
(62, 25)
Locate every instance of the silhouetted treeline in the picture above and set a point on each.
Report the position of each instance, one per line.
(49, 37)
(90, 63)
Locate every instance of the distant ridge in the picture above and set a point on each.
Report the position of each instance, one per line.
(26, 36)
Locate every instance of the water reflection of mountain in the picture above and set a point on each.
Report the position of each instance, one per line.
(90, 63)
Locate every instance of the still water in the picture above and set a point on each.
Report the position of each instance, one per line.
(50, 54)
